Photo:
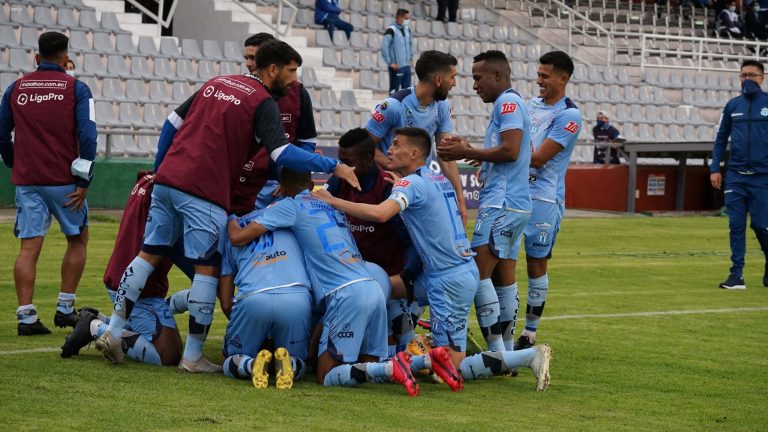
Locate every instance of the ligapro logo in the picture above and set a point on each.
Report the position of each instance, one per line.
(38, 98)
(220, 95)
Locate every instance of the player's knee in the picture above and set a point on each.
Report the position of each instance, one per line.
(537, 267)
(168, 345)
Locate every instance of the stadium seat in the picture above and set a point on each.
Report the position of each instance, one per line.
(348, 102)
(322, 39)
(112, 90)
(65, 18)
(184, 69)
(159, 91)
(230, 68)
(328, 100)
(153, 116)
(135, 90)
(372, 80)
(189, 48)
(147, 143)
(349, 120)
(330, 59)
(453, 30)
(93, 85)
(169, 47)
(129, 114)
(102, 42)
(140, 67)
(181, 92)
(29, 36)
(374, 41)
(367, 61)
(89, 21)
(8, 36)
(233, 51)
(109, 22)
(107, 115)
(212, 50)
(117, 65)
(20, 14)
(328, 124)
(309, 78)
(78, 41)
(206, 69)
(43, 18)
(93, 65)
(6, 79)
(125, 44)
(306, 18)
(147, 46)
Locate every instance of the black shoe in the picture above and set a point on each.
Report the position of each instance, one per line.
(522, 343)
(734, 282)
(65, 320)
(36, 328)
(80, 336)
(90, 309)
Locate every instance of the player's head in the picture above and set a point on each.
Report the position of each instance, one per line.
(402, 16)
(53, 47)
(294, 182)
(752, 70)
(251, 46)
(409, 150)
(276, 65)
(356, 149)
(437, 69)
(490, 73)
(555, 69)
(602, 117)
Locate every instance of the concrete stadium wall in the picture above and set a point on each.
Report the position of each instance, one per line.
(113, 182)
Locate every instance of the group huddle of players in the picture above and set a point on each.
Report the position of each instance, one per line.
(337, 278)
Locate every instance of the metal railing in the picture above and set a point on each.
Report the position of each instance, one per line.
(279, 28)
(694, 48)
(157, 17)
(110, 132)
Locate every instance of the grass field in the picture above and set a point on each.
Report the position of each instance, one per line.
(703, 370)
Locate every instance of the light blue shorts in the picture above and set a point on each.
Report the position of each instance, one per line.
(451, 294)
(149, 316)
(355, 323)
(541, 229)
(174, 213)
(282, 314)
(265, 198)
(500, 229)
(36, 204)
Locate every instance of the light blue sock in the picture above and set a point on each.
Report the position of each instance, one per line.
(537, 298)
(379, 372)
(299, 367)
(342, 375)
(419, 362)
(65, 303)
(131, 285)
(238, 366)
(202, 301)
(489, 363)
(98, 328)
(391, 350)
(26, 314)
(138, 348)
(399, 318)
(487, 309)
(179, 302)
(509, 302)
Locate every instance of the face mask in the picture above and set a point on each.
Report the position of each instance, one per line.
(600, 123)
(406, 22)
(732, 8)
(749, 88)
(71, 73)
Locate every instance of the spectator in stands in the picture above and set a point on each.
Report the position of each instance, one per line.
(397, 51)
(452, 6)
(755, 26)
(51, 159)
(746, 176)
(604, 132)
(327, 14)
(729, 23)
(70, 69)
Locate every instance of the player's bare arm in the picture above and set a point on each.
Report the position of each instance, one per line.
(370, 212)
(226, 294)
(241, 236)
(379, 157)
(453, 148)
(546, 151)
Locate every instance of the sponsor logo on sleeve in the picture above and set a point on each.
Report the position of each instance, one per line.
(572, 127)
(402, 183)
(376, 115)
(509, 108)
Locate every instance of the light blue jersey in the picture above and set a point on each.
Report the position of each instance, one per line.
(330, 251)
(561, 123)
(402, 109)
(504, 183)
(430, 211)
(273, 261)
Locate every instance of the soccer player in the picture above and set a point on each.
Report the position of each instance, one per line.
(505, 203)
(271, 279)
(296, 115)
(427, 203)
(354, 337)
(51, 160)
(151, 335)
(229, 119)
(423, 106)
(555, 125)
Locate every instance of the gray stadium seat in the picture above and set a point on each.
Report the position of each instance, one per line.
(375, 24)
(105, 113)
(78, 41)
(125, 44)
(140, 67)
(65, 17)
(422, 28)
(181, 91)
(153, 115)
(349, 120)
(117, 65)
(29, 36)
(6, 79)
(8, 36)
(369, 80)
(93, 65)
(212, 50)
(112, 90)
(135, 90)
(93, 85)
(184, 69)
(328, 100)
(109, 22)
(327, 124)
(438, 29)
(373, 7)
(453, 30)
(309, 78)
(233, 51)
(189, 48)
(689, 133)
(358, 41)
(169, 47)
(147, 143)
(348, 59)
(374, 41)
(129, 114)
(102, 42)
(159, 91)
(88, 20)
(348, 102)
(330, 59)
(206, 69)
(230, 68)
(340, 39)
(322, 39)
(306, 18)
(20, 14)
(44, 18)
(357, 21)
(147, 46)
(127, 144)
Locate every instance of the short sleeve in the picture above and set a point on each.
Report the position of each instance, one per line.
(510, 112)
(405, 192)
(566, 128)
(281, 214)
(444, 117)
(384, 117)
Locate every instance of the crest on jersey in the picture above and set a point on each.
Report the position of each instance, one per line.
(572, 127)
(764, 112)
(408, 112)
(508, 108)
(379, 117)
(384, 105)
(402, 183)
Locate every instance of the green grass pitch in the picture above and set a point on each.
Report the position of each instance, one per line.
(701, 371)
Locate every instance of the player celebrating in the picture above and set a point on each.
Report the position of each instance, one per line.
(505, 204)
(555, 125)
(423, 106)
(354, 337)
(51, 160)
(427, 204)
(229, 119)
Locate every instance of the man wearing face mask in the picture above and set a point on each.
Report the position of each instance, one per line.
(605, 132)
(745, 121)
(729, 23)
(755, 25)
(397, 51)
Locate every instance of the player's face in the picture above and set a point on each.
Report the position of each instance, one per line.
(751, 73)
(398, 153)
(354, 158)
(286, 76)
(484, 82)
(250, 58)
(550, 81)
(444, 83)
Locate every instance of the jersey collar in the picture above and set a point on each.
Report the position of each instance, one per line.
(48, 66)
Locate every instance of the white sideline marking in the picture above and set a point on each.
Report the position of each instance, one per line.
(552, 318)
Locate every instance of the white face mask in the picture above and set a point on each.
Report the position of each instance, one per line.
(406, 22)
(732, 8)
(70, 73)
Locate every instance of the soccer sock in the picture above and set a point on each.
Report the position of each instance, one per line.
(509, 302)
(487, 308)
(419, 362)
(26, 314)
(65, 303)
(179, 302)
(238, 366)
(358, 373)
(133, 281)
(399, 317)
(138, 348)
(299, 367)
(202, 299)
(537, 297)
(98, 328)
(489, 363)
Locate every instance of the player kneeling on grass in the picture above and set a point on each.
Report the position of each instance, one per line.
(273, 299)
(427, 203)
(354, 337)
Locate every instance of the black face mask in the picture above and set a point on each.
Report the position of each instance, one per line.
(750, 88)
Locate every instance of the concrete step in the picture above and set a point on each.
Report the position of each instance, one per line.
(116, 6)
